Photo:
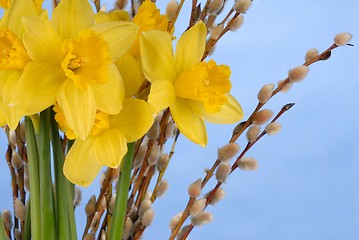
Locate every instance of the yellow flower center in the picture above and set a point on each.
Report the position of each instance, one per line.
(60, 119)
(5, 4)
(147, 18)
(86, 59)
(13, 55)
(102, 123)
(205, 82)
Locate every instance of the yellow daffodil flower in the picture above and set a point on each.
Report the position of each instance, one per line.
(194, 91)
(72, 64)
(107, 143)
(147, 18)
(13, 57)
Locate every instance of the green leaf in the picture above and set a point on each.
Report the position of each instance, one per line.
(64, 196)
(119, 213)
(34, 175)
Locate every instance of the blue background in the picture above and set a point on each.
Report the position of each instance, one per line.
(307, 184)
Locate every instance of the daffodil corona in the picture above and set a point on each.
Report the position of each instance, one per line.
(107, 142)
(193, 90)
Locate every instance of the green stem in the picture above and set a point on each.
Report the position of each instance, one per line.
(26, 234)
(48, 230)
(119, 213)
(64, 198)
(33, 164)
(2, 229)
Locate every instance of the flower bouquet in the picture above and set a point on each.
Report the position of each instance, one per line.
(85, 89)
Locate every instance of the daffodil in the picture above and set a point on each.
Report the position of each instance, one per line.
(13, 57)
(193, 90)
(147, 18)
(73, 64)
(107, 143)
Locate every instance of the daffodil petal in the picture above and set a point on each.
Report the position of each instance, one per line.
(157, 56)
(70, 17)
(12, 114)
(119, 35)
(116, 15)
(109, 96)
(190, 125)
(230, 112)
(135, 119)
(190, 47)
(37, 87)
(79, 167)
(2, 113)
(79, 107)
(109, 148)
(41, 41)
(162, 95)
(13, 16)
(131, 72)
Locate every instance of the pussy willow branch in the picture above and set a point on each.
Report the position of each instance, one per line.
(235, 164)
(173, 21)
(211, 42)
(238, 132)
(104, 189)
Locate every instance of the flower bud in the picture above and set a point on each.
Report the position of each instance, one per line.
(265, 93)
(216, 31)
(147, 217)
(342, 39)
(90, 207)
(154, 155)
(89, 236)
(154, 132)
(310, 54)
(298, 73)
(273, 128)
(111, 204)
(17, 234)
(253, 133)
(201, 218)
(286, 87)
(174, 220)
(181, 232)
(237, 23)
(7, 219)
(127, 228)
(162, 162)
(171, 10)
(140, 155)
(95, 220)
(78, 197)
(198, 206)
(144, 206)
(103, 203)
(248, 164)
(262, 116)
(22, 132)
(12, 138)
(241, 6)
(228, 151)
(170, 127)
(20, 210)
(223, 171)
(210, 21)
(162, 188)
(218, 196)
(16, 160)
(194, 190)
(214, 6)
